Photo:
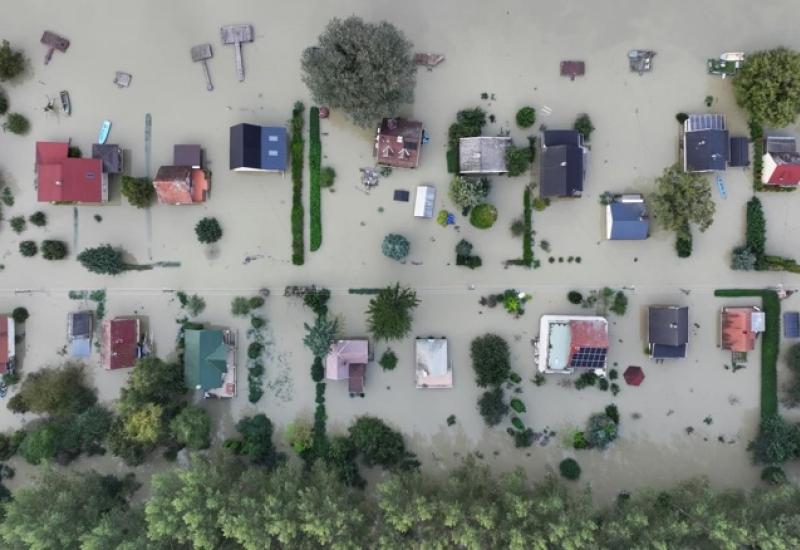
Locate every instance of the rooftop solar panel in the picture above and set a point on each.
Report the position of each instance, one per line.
(589, 358)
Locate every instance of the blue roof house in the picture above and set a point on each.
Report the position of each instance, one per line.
(256, 148)
(626, 219)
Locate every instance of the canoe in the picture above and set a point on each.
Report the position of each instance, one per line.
(66, 105)
(721, 187)
(104, 129)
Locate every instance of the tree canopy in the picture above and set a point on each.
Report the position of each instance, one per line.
(395, 246)
(103, 259)
(55, 390)
(682, 198)
(768, 86)
(389, 313)
(490, 360)
(12, 62)
(467, 192)
(365, 69)
(139, 191)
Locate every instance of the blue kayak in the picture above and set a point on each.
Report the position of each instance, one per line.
(104, 130)
(721, 187)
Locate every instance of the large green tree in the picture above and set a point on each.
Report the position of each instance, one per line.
(192, 427)
(54, 390)
(153, 381)
(12, 62)
(467, 192)
(104, 259)
(140, 192)
(318, 338)
(490, 360)
(682, 198)
(389, 313)
(768, 86)
(365, 69)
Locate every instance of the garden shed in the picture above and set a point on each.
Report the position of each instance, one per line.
(433, 368)
(424, 201)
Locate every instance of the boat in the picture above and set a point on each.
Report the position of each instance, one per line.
(728, 64)
(104, 129)
(721, 187)
(66, 105)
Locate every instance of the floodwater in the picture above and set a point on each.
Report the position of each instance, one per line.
(511, 51)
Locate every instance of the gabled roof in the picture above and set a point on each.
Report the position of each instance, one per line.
(258, 148)
(111, 156)
(668, 331)
(205, 359)
(483, 155)
(627, 221)
(64, 179)
(398, 142)
(561, 166)
(342, 355)
(781, 169)
(737, 332)
(120, 343)
(705, 143)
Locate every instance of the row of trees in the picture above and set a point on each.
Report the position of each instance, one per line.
(223, 502)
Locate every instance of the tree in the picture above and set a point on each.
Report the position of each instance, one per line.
(777, 441)
(124, 529)
(38, 218)
(569, 469)
(574, 297)
(20, 315)
(192, 428)
(103, 259)
(327, 176)
(12, 62)
(319, 337)
(58, 391)
(526, 117)
(682, 198)
(3, 103)
(54, 250)
(601, 431)
(145, 426)
(208, 230)
(140, 192)
(16, 124)
(256, 442)
(365, 69)
(17, 224)
(379, 444)
(389, 313)
(768, 86)
(742, 258)
(395, 247)
(153, 381)
(469, 123)
(468, 192)
(490, 360)
(388, 360)
(28, 248)
(620, 304)
(583, 124)
(299, 435)
(518, 160)
(492, 406)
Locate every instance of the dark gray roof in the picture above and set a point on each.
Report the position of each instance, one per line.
(668, 327)
(187, 155)
(705, 142)
(740, 151)
(110, 154)
(80, 324)
(258, 147)
(781, 144)
(562, 164)
(629, 221)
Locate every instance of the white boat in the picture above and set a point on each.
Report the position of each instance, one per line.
(104, 129)
(732, 56)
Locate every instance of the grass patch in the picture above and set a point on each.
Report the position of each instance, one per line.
(314, 165)
(296, 150)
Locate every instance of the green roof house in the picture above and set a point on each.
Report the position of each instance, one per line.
(209, 362)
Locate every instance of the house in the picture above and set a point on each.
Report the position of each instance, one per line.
(121, 343)
(433, 368)
(667, 331)
(7, 344)
(705, 143)
(627, 219)
(572, 342)
(60, 178)
(347, 360)
(483, 155)
(424, 201)
(209, 361)
(739, 327)
(181, 185)
(79, 333)
(781, 162)
(562, 164)
(398, 142)
(110, 155)
(256, 148)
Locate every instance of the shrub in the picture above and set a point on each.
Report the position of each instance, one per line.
(378, 443)
(140, 192)
(28, 248)
(208, 230)
(575, 297)
(192, 428)
(256, 442)
(12, 62)
(517, 227)
(299, 435)
(490, 360)
(681, 118)
(463, 248)
(777, 441)
(317, 370)
(389, 313)
(469, 123)
(774, 475)
(683, 245)
(583, 124)
(38, 218)
(240, 306)
(518, 159)
(255, 302)
(517, 423)
(16, 124)
(526, 117)
(601, 431)
(483, 216)
(517, 405)
(254, 350)
(620, 304)
(318, 338)
(539, 203)
(569, 469)
(388, 360)
(492, 406)
(54, 250)
(468, 192)
(20, 315)
(441, 218)
(327, 177)
(17, 224)
(3, 103)
(103, 259)
(471, 262)
(742, 258)
(612, 412)
(395, 247)
(317, 300)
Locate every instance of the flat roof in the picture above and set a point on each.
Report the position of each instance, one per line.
(433, 368)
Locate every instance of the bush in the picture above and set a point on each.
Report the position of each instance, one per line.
(518, 159)
(378, 443)
(492, 406)
(395, 247)
(255, 302)
(620, 304)
(463, 248)
(601, 431)
(38, 218)
(388, 360)
(539, 203)
(469, 123)
(472, 262)
(54, 250)
(140, 192)
(299, 435)
(20, 315)
(483, 216)
(583, 124)
(569, 469)
(517, 227)
(256, 442)
(612, 412)
(490, 360)
(742, 258)
(317, 300)
(3, 103)
(327, 177)
(523, 438)
(208, 230)
(777, 441)
(468, 192)
(518, 406)
(683, 244)
(526, 117)
(192, 428)
(314, 167)
(254, 350)
(575, 297)
(240, 306)
(774, 475)
(17, 224)
(681, 118)
(16, 124)
(28, 248)
(12, 62)
(317, 370)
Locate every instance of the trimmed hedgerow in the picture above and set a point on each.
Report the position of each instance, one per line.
(296, 150)
(314, 166)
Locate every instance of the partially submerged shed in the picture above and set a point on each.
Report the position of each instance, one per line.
(424, 201)
(433, 368)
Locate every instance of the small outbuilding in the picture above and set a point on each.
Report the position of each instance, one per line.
(187, 155)
(627, 219)
(256, 148)
(433, 368)
(740, 152)
(483, 155)
(424, 201)
(739, 327)
(668, 331)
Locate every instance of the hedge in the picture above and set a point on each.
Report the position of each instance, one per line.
(756, 230)
(527, 237)
(315, 165)
(296, 150)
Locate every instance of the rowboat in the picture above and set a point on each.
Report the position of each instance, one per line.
(721, 187)
(66, 105)
(104, 129)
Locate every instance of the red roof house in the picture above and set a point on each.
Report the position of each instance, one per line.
(120, 343)
(181, 185)
(739, 327)
(781, 162)
(398, 142)
(588, 343)
(64, 179)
